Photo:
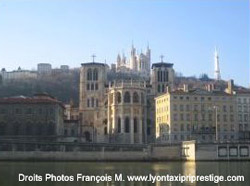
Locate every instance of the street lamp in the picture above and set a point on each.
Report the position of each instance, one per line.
(216, 122)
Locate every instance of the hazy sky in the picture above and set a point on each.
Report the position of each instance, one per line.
(70, 31)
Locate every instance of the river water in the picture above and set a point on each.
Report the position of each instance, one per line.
(9, 172)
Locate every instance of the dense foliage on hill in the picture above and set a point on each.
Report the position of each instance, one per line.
(63, 86)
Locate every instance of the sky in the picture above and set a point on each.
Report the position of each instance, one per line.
(184, 31)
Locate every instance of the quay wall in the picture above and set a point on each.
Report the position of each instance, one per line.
(187, 151)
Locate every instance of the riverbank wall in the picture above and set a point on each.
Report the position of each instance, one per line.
(187, 151)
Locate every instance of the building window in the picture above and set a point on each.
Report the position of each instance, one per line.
(135, 97)
(95, 74)
(97, 103)
(29, 111)
(88, 86)
(118, 97)
(127, 97)
(163, 88)
(92, 86)
(135, 125)
(127, 125)
(92, 102)
(119, 125)
(88, 103)
(159, 88)
(89, 75)
(225, 117)
(105, 131)
(96, 86)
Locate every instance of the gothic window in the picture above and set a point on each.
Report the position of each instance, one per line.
(88, 87)
(127, 125)
(142, 98)
(135, 125)
(97, 103)
(95, 74)
(158, 76)
(164, 76)
(89, 75)
(135, 97)
(161, 76)
(92, 86)
(159, 88)
(163, 88)
(119, 125)
(96, 86)
(127, 97)
(118, 97)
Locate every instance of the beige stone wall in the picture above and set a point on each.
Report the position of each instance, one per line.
(127, 112)
(188, 115)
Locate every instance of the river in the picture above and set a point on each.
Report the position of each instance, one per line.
(9, 172)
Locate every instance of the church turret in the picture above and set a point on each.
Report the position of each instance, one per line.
(118, 61)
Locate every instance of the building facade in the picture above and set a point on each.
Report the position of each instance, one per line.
(38, 116)
(202, 115)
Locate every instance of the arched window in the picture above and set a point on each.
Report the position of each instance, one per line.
(95, 74)
(118, 97)
(163, 88)
(87, 136)
(164, 76)
(142, 98)
(159, 88)
(119, 125)
(158, 76)
(89, 74)
(135, 97)
(127, 125)
(135, 125)
(105, 131)
(127, 97)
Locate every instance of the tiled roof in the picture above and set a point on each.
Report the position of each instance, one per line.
(29, 100)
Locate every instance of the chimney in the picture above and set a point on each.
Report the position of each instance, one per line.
(230, 86)
(185, 88)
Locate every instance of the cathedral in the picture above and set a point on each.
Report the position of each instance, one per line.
(117, 105)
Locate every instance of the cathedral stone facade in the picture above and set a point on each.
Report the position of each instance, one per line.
(117, 106)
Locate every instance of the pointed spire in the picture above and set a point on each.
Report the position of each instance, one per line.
(217, 74)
